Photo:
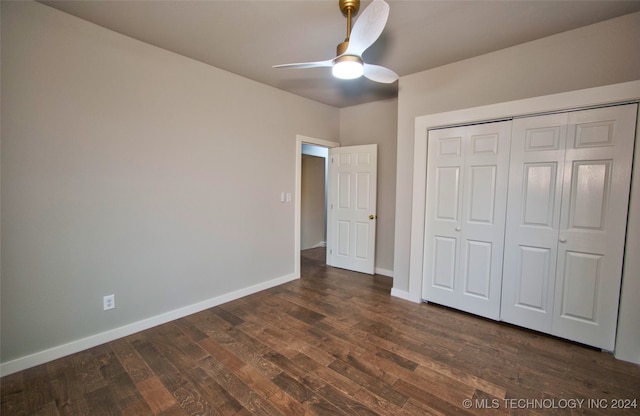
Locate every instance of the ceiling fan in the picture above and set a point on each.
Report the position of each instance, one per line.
(348, 64)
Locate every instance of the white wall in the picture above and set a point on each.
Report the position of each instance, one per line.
(313, 203)
(377, 123)
(128, 169)
(600, 54)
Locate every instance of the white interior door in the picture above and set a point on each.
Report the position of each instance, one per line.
(597, 177)
(466, 202)
(531, 239)
(351, 229)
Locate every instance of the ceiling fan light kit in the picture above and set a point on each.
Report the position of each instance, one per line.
(347, 67)
(348, 64)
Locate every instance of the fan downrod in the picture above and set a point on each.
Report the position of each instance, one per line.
(349, 8)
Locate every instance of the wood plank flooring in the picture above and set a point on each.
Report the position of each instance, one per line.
(332, 343)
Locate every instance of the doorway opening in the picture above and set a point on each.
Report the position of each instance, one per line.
(312, 157)
(313, 202)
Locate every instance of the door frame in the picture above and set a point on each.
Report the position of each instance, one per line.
(300, 139)
(626, 340)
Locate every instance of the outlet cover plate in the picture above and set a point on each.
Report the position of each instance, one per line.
(109, 302)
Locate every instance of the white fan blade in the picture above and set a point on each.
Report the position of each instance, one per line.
(368, 27)
(304, 65)
(379, 74)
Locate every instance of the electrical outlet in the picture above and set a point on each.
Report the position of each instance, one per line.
(109, 302)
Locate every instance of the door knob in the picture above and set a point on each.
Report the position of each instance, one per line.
(371, 217)
(457, 228)
(563, 240)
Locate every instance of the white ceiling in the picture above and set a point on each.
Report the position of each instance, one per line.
(249, 37)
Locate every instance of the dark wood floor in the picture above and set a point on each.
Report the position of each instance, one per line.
(334, 342)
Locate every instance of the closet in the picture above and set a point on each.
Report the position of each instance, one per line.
(525, 220)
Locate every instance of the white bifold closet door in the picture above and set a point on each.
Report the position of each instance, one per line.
(467, 170)
(533, 220)
(567, 213)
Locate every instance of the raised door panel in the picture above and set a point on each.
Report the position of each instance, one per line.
(581, 273)
(482, 200)
(444, 262)
(361, 242)
(343, 246)
(343, 202)
(446, 193)
(532, 279)
(533, 217)
(363, 179)
(589, 198)
(477, 277)
(364, 225)
(538, 194)
(593, 224)
(344, 190)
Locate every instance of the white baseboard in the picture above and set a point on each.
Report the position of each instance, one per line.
(402, 294)
(60, 351)
(316, 245)
(384, 272)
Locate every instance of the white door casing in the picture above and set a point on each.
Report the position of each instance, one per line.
(351, 225)
(464, 228)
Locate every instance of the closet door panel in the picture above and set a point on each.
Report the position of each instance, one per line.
(466, 202)
(444, 200)
(484, 200)
(593, 224)
(533, 217)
